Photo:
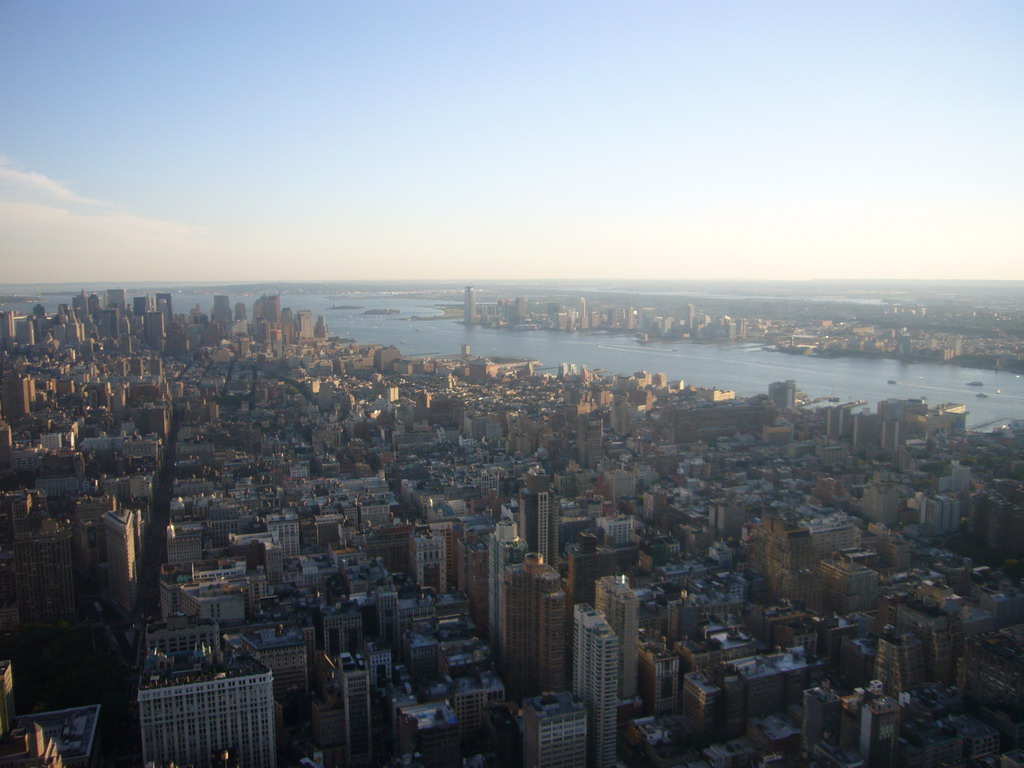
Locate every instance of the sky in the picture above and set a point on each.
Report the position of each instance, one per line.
(473, 140)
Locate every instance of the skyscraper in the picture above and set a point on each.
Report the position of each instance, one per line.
(221, 312)
(595, 681)
(6, 443)
(117, 297)
(473, 577)
(283, 650)
(847, 587)
(353, 680)
(538, 524)
(941, 637)
(785, 555)
(620, 607)
(822, 717)
(120, 528)
(533, 629)
(191, 705)
(554, 731)
(589, 440)
(154, 329)
(658, 679)
(587, 563)
(6, 697)
(268, 308)
(42, 567)
(304, 320)
(19, 392)
(783, 394)
(879, 729)
(141, 305)
(7, 330)
(469, 306)
(899, 662)
(163, 305)
(726, 517)
(506, 548)
(521, 311)
(992, 668)
(110, 322)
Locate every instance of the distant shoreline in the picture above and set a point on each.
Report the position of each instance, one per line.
(980, 362)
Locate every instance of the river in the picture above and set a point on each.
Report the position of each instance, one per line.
(746, 368)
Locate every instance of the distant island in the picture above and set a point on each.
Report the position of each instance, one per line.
(382, 312)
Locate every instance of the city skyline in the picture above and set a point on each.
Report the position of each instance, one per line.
(226, 530)
(460, 142)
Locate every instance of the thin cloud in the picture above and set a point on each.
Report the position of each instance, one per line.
(14, 213)
(43, 221)
(30, 184)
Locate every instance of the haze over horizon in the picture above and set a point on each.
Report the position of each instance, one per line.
(451, 140)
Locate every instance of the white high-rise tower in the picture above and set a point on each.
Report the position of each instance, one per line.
(595, 680)
(186, 714)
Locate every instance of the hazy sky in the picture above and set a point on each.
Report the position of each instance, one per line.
(300, 140)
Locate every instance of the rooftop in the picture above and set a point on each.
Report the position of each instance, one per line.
(553, 704)
(164, 671)
(73, 730)
(430, 715)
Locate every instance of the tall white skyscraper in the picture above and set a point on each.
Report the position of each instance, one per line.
(595, 680)
(469, 305)
(620, 607)
(189, 706)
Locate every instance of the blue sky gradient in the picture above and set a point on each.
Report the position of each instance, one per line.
(199, 140)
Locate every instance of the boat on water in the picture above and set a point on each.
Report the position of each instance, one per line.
(892, 381)
(981, 394)
(975, 384)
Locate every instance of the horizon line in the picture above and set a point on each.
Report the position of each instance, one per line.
(466, 282)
